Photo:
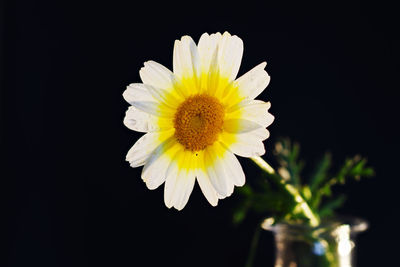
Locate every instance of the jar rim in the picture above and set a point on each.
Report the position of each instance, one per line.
(355, 224)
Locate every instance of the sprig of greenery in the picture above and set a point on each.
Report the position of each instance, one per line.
(270, 199)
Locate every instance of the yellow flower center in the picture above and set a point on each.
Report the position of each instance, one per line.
(198, 121)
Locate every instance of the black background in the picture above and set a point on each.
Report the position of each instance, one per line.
(69, 197)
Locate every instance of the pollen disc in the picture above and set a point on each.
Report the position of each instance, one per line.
(198, 121)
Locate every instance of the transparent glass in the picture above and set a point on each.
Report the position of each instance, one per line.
(332, 244)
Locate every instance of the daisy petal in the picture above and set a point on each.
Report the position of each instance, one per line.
(157, 75)
(247, 144)
(230, 52)
(171, 180)
(150, 99)
(183, 188)
(252, 83)
(154, 171)
(207, 47)
(186, 62)
(206, 187)
(240, 126)
(155, 108)
(163, 96)
(141, 121)
(149, 107)
(204, 181)
(136, 92)
(252, 110)
(180, 182)
(234, 169)
(142, 149)
(214, 164)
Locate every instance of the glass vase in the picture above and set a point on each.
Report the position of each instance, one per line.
(332, 244)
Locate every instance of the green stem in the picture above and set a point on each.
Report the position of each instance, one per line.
(253, 247)
(308, 213)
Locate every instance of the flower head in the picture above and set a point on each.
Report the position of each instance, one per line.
(196, 118)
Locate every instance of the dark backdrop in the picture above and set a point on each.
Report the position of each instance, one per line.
(70, 199)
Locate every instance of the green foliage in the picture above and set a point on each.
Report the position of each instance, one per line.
(263, 199)
(267, 197)
(330, 205)
(287, 155)
(321, 171)
(352, 168)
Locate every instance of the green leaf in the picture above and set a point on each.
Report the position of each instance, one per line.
(294, 151)
(244, 190)
(354, 168)
(306, 192)
(288, 157)
(321, 172)
(240, 213)
(328, 208)
(359, 170)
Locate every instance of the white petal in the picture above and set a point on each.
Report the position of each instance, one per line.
(150, 99)
(206, 187)
(141, 121)
(165, 97)
(207, 47)
(172, 177)
(142, 149)
(215, 168)
(252, 110)
(149, 107)
(230, 52)
(240, 126)
(234, 169)
(157, 75)
(186, 62)
(179, 183)
(154, 171)
(247, 144)
(137, 92)
(183, 189)
(155, 108)
(252, 83)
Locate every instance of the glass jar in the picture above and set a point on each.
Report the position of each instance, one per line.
(331, 244)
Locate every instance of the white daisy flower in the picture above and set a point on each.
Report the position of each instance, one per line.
(196, 119)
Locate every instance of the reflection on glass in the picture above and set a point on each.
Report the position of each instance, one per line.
(329, 245)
